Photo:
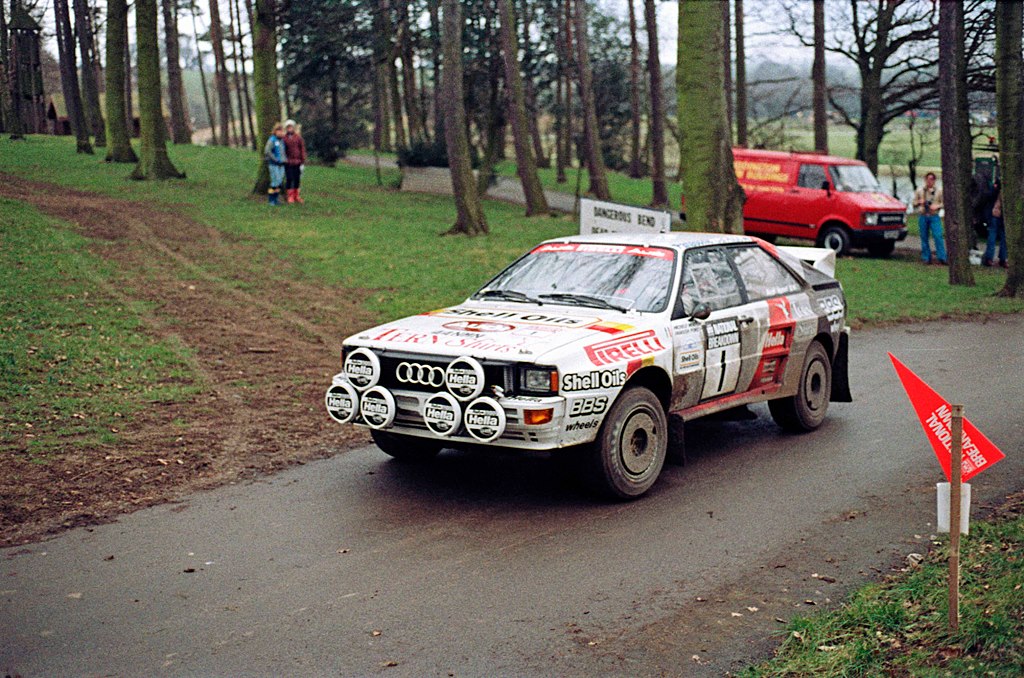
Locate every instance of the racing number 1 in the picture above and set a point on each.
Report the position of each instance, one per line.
(723, 371)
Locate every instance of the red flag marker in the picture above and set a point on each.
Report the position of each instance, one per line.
(934, 413)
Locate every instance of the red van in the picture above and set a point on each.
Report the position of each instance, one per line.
(836, 202)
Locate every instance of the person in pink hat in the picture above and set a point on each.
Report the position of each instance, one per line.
(295, 159)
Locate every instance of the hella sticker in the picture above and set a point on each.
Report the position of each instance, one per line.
(442, 414)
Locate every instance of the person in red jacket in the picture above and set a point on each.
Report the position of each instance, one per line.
(295, 158)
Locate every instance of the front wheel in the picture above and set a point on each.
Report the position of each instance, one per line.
(806, 410)
(629, 452)
(835, 237)
(406, 448)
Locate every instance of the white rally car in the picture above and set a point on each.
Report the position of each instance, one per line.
(589, 342)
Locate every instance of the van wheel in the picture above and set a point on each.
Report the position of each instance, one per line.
(835, 237)
(629, 452)
(807, 409)
(881, 249)
(406, 448)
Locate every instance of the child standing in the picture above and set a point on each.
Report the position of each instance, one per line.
(295, 158)
(273, 151)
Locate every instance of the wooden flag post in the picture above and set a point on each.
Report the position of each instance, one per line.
(955, 454)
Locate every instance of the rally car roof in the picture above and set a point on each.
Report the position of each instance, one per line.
(676, 239)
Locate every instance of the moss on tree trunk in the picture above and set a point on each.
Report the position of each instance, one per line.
(1010, 111)
(264, 81)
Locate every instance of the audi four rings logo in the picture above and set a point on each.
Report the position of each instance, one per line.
(424, 375)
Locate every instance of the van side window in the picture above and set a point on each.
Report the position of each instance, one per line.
(812, 176)
(709, 278)
(762, 275)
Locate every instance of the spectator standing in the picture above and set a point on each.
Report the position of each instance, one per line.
(928, 202)
(273, 151)
(996, 232)
(295, 159)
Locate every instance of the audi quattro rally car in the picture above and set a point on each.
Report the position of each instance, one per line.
(588, 342)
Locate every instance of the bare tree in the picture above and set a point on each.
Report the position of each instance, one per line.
(264, 81)
(635, 170)
(181, 130)
(526, 163)
(956, 139)
(591, 133)
(819, 80)
(727, 61)
(714, 199)
(220, 73)
(1010, 110)
(659, 190)
(119, 136)
(90, 87)
(69, 76)
(202, 80)
(470, 218)
(741, 77)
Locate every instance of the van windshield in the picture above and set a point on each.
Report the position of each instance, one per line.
(854, 179)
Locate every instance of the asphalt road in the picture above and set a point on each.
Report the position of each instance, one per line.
(498, 565)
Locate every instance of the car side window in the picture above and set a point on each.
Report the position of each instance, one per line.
(708, 278)
(762, 275)
(811, 176)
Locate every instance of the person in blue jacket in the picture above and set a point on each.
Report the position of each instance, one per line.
(273, 151)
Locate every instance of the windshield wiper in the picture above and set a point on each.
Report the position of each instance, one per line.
(510, 295)
(584, 300)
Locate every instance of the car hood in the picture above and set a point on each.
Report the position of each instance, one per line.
(488, 330)
(877, 201)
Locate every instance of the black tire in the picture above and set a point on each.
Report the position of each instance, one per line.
(629, 452)
(406, 448)
(881, 249)
(835, 237)
(806, 410)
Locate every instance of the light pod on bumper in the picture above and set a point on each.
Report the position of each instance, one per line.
(484, 419)
(377, 407)
(342, 402)
(465, 378)
(362, 368)
(442, 414)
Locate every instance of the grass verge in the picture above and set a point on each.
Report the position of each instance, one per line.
(75, 359)
(899, 627)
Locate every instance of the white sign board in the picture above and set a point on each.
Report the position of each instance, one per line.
(609, 217)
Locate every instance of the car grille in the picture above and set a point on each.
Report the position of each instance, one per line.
(890, 218)
(495, 374)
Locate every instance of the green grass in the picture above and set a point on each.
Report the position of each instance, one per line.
(899, 627)
(356, 235)
(75, 360)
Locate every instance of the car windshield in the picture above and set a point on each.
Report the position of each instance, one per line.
(854, 179)
(618, 277)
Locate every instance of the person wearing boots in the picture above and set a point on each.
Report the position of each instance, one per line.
(295, 158)
(273, 152)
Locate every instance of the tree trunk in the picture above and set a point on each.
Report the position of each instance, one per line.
(531, 92)
(90, 88)
(563, 130)
(433, 7)
(741, 78)
(412, 108)
(591, 132)
(69, 76)
(869, 134)
(470, 218)
(118, 135)
(264, 82)
(819, 81)
(129, 109)
(382, 102)
(10, 104)
(956, 140)
(181, 130)
(635, 170)
(249, 107)
(1010, 112)
(153, 160)
(202, 81)
(391, 72)
(220, 73)
(714, 200)
(659, 188)
(526, 164)
(727, 61)
(236, 75)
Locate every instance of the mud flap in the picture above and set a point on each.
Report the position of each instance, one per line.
(841, 371)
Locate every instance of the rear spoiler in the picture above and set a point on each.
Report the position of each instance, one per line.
(820, 258)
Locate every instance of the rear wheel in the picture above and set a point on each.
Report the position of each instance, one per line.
(806, 410)
(881, 249)
(835, 237)
(406, 448)
(627, 457)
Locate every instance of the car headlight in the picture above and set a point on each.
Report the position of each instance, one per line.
(538, 380)
(871, 219)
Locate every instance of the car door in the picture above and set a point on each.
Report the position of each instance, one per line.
(778, 300)
(807, 202)
(714, 358)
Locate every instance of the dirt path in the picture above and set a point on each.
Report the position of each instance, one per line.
(263, 343)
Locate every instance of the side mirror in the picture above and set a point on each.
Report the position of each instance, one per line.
(701, 312)
(827, 187)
